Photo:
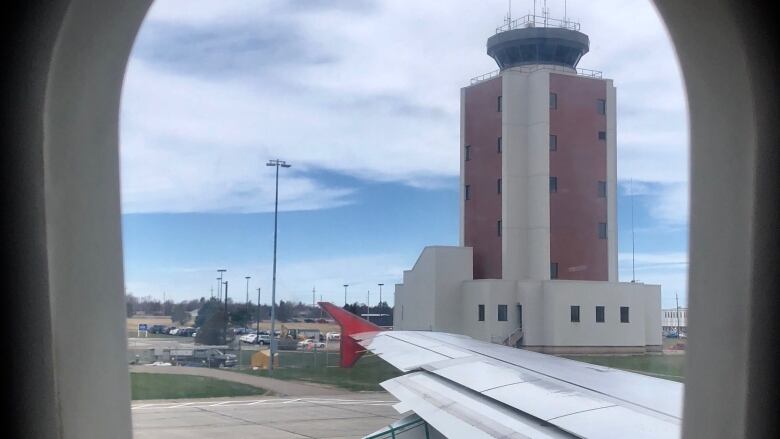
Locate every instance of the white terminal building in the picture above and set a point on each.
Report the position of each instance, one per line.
(537, 264)
(674, 318)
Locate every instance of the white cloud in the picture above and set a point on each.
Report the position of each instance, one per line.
(368, 89)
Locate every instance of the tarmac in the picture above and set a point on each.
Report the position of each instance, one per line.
(349, 415)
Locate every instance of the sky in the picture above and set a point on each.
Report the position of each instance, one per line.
(361, 97)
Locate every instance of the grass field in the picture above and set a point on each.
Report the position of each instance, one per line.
(671, 367)
(164, 386)
(323, 368)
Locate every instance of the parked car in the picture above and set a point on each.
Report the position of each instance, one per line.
(185, 332)
(168, 329)
(174, 331)
(156, 329)
(322, 321)
(308, 320)
(159, 363)
(248, 338)
(264, 339)
(333, 336)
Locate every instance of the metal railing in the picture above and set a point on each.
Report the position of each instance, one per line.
(530, 69)
(531, 20)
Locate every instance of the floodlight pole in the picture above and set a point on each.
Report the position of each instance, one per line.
(221, 271)
(276, 163)
(380, 294)
(345, 294)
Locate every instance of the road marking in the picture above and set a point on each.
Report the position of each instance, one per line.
(243, 403)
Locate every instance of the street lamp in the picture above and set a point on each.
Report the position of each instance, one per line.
(380, 294)
(368, 306)
(276, 163)
(345, 294)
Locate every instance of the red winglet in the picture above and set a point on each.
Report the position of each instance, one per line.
(350, 324)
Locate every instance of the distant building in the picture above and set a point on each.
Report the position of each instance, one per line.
(672, 318)
(537, 266)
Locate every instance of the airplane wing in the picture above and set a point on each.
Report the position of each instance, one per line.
(465, 388)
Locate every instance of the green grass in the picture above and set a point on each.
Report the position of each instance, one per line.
(365, 375)
(663, 366)
(165, 386)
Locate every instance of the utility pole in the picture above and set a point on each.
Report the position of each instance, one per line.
(368, 306)
(345, 294)
(677, 301)
(276, 163)
(221, 271)
(226, 311)
(380, 294)
(313, 297)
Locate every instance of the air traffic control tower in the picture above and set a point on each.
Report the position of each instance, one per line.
(538, 158)
(537, 263)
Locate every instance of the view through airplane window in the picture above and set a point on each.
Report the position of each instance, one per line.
(515, 173)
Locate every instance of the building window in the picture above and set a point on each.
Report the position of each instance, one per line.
(553, 270)
(553, 142)
(467, 191)
(601, 106)
(498, 227)
(467, 152)
(602, 135)
(481, 313)
(499, 104)
(553, 184)
(623, 314)
(498, 186)
(498, 145)
(502, 313)
(553, 101)
(575, 314)
(602, 230)
(602, 189)
(599, 314)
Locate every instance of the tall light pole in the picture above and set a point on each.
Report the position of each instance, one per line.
(221, 271)
(677, 301)
(247, 292)
(226, 311)
(345, 294)
(276, 163)
(368, 306)
(380, 294)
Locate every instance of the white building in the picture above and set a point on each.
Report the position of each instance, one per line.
(537, 261)
(674, 318)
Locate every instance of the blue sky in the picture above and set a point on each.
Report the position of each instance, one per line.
(362, 98)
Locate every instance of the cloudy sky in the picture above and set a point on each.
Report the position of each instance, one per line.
(362, 98)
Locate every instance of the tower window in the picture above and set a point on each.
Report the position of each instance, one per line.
(602, 189)
(498, 227)
(553, 184)
(467, 192)
(602, 230)
(553, 142)
(553, 101)
(467, 152)
(602, 135)
(481, 313)
(498, 186)
(498, 101)
(601, 106)
(553, 270)
(498, 145)
(575, 313)
(599, 314)
(502, 313)
(623, 314)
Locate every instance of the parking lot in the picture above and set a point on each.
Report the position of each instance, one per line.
(351, 415)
